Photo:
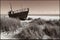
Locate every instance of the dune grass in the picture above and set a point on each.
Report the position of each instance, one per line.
(36, 29)
(9, 24)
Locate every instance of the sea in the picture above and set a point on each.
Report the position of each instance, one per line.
(43, 17)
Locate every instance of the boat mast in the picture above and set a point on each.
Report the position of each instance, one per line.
(10, 7)
(22, 5)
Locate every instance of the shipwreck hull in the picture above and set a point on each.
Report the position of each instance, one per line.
(20, 15)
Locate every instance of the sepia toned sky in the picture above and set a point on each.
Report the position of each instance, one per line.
(36, 7)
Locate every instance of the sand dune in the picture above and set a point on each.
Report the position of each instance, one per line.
(36, 29)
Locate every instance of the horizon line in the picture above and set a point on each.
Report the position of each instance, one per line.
(40, 14)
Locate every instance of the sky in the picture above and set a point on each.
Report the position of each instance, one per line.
(35, 6)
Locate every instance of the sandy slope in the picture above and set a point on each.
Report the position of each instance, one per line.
(30, 29)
